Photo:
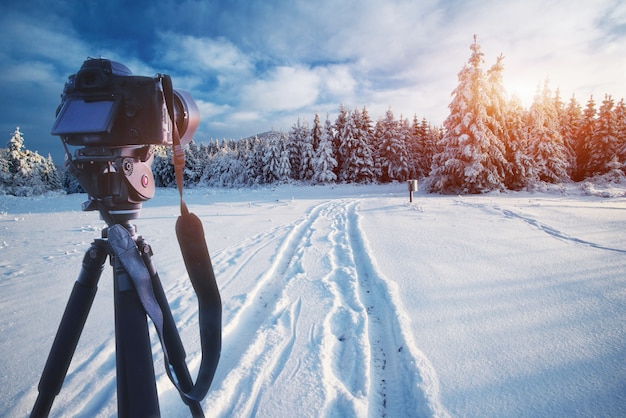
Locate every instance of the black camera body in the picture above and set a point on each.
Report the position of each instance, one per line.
(114, 118)
(104, 105)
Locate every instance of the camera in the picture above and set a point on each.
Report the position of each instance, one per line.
(104, 105)
(114, 118)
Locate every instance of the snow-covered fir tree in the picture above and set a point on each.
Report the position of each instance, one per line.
(316, 132)
(246, 155)
(385, 134)
(424, 139)
(284, 162)
(584, 138)
(5, 173)
(393, 154)
(363, 155)
(307, 155)
(620, 120)
(299, 150)
(406, 164)
(339, 133)
(276, 160)
(603, 147)
(354, 150)
(570, 124)
(521, 168)
(497, 101)
(162, 167)
(194, 164)
(346, 139)
(472, 159)
(255, 162)
(417, 149)
(546, 145)
(499, 116)
(25, 172)
(224, 168)
(324, 163)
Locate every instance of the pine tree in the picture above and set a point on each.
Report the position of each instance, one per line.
(276, 160)
(5, 173)
(254, 166)
(584, 139)
(363, 155)
(339, 128)
(324, 163)
(392, 138)
(26, 173)
(355, 151)
(348, 136)
(521, 168)
(422, 147)
(51, 175)
(308, 154)
(316, 132)
(284, 172)
(546, 145)
(417, 148)
(620, 120)
(162, 167)
(194, 165)
(296, 144)
(472, 160)
(497, 105)
(432, 138)
(403, 159)
(570, 123)
(603, 147)
(500, 118)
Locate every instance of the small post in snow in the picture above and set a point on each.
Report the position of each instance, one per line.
(412, 188)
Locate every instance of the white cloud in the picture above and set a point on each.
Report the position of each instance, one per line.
(284, 88)
(209, 110)
(337, 80)
(198, 54)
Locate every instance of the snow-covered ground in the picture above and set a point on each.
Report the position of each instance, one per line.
(346, 301)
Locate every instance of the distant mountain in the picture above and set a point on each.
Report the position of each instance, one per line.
(265, 135)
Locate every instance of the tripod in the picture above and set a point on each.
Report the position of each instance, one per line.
(117, 181)
(136, 386)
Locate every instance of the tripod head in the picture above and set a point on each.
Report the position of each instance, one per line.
(117, 180)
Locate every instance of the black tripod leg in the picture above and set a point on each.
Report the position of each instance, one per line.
(70, 328)
(175, 346)
(136, 385)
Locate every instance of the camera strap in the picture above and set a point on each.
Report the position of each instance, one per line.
(197, 261)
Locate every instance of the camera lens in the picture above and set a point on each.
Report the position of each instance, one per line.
(186, 114)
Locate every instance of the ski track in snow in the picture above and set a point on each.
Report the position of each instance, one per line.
(321, 277)
(540, 226)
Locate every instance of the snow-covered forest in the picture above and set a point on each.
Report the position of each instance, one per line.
(488, 142)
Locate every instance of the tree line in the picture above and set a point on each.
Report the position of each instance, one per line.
(350, 150)
(488, 142)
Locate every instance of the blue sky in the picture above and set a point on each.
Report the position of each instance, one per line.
(253, 65)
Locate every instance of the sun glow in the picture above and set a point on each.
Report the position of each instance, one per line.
(521, 90)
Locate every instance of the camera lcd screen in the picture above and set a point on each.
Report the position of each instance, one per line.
(78, 116)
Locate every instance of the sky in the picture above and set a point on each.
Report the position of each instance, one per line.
(254, 66)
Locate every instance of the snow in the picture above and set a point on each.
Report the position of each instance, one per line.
(346, 300)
